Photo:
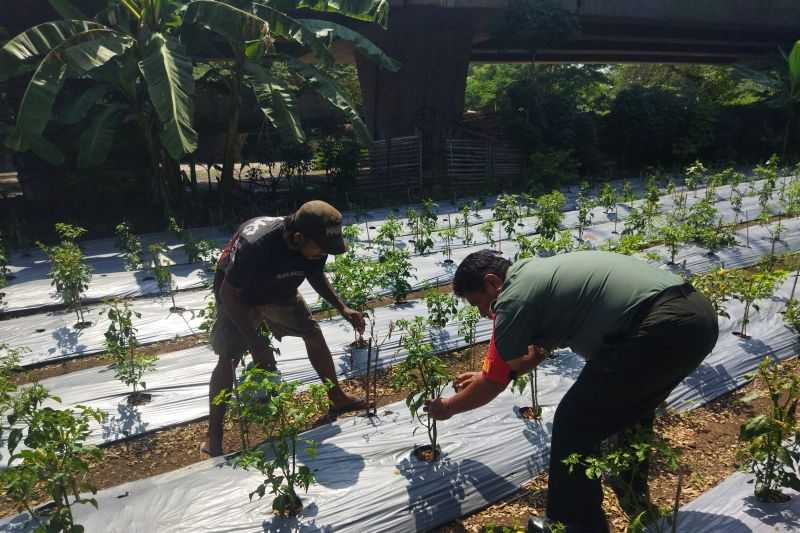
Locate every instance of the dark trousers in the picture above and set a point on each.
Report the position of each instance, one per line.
(621, 387)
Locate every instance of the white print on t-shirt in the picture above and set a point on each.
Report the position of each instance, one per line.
(293, 273)
(256, 224)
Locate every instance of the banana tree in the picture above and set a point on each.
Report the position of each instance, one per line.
(259, 53)
(142, 76)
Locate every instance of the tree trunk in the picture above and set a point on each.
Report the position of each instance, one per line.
(231, 140)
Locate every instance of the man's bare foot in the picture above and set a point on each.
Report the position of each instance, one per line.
(211, 451)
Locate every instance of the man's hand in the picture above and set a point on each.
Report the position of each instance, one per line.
(437, 409)
(355, 318)
(465, 380)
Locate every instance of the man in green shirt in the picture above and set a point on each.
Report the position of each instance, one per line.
(642, 330)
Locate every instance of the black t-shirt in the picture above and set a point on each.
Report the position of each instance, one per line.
(258, 261)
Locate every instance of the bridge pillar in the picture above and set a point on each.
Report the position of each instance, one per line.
(426, 96)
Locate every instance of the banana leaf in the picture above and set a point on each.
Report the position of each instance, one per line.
(97, 139)
(361, 43)
(277, 101)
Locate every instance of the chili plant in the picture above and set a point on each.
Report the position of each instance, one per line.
(775, 231)
(442, 307)
(209, 316)
(673, 234)
(389, 231)
(195, 250)
(354, 280)
(487, 230)
(628, 195)
(585, 205)
(162, 273)
(694, 175)
(608, 197)
(448, 235)
(519, 384)
(464, 223)
(621, 463)
(768, 171)
(121, 343)
(55, 458)
(276, 407)
(525, 247)
(423, 375)
(70, 275)
(749, 287)
(549, 210)
(468, 317)
(736, 204)
(130, 245)
(718, 286)
(770, 442)
(506, 211)
(396, 272)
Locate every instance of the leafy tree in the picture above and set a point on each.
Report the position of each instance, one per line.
(70, 275)
(442, 307)
(121, 343)
(130, 245)
(54, 460)
(771, 441)
(422, 374)
(282, 414)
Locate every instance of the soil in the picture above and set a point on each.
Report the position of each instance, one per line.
(529, 413)
(707, 438)
(426, 453)
(290, 509)
(82, 325)
(139, 398)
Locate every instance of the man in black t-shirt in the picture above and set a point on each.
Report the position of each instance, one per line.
(257, 278)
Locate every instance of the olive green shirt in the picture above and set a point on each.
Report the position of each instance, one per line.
(577, 300)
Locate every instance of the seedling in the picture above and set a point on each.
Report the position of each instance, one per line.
(130, 245)
(201, 250)
(628, 195)
(209, 316)
(506, 212)
(448, 235)
(121, 343)
(162, 274)
(477, 205)
(463, 222)
(736, 204)
(389, 231)
(424, 376)
(429, 212)
(673, 234)
(70, 275)
(362, 215)
(487, 230)
(771, 441)
(354, 280)
(748, 288)
(55, 459)
(768, 172)
(277, 408)
(775, 232)
(442, 307)
(468, 317)
(396, 272)
(549, 211)
(350, 235)
(534, 411)
(695, 173)
(585, 205)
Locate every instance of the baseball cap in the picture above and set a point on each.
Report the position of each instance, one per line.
(322, 223)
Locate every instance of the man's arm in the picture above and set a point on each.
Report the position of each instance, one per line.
(478, 393)
(320, 283)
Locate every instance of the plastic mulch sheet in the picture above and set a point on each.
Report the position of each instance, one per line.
(732, 508)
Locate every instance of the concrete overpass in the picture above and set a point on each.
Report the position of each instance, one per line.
(437, 39)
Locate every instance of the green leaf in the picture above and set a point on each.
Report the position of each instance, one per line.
(794, 69)
(758, 425)
(66, 9)
(330, 91)
(288, 28)
(279, 103)
(236, 25)
(96, 140)
(17, 55)
(361, 43)
(75, 110)
(168, 74)
(75, 56)
(367, 10)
